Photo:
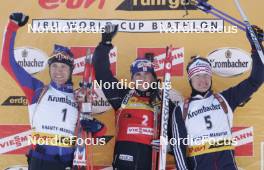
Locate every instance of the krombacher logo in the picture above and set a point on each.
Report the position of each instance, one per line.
(29, 63)
(228, 63)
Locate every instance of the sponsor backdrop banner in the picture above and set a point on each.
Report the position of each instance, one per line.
(146, 26)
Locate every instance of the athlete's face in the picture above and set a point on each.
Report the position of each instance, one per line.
(201, 82)
(143, 80)
(59, 72)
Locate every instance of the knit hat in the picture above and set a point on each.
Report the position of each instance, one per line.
(62, 54)
(141, 65)
(198, 65)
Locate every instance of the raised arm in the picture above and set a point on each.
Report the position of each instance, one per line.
(102, 68)
(241, 92)
(26, 82)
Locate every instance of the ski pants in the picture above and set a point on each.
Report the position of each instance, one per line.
(39, 160)
(132, 156)
(222, 160)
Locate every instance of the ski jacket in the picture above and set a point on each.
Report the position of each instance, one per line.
(52, 109)
(211, 117)
(134, 114)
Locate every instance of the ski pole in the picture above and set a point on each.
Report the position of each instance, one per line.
(251, 31)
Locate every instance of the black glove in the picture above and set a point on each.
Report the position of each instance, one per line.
(110, 32)
(19, 18)
(258, 32)
(91, 125)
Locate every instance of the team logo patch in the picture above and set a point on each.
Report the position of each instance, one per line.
(126, 157)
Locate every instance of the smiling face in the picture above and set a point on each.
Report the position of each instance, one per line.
(59, 73)
(201, 82)
(142, 79)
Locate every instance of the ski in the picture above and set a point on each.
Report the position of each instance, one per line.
(251, 31)
(83, 153)
(165, 109)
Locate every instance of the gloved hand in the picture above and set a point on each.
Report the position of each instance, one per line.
(19, 18)
(175, 96)
(79, 95)
(110, 32)
(91, 125)
(258, 32)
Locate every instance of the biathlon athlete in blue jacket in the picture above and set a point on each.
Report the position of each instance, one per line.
(209, 116)
(52, 108)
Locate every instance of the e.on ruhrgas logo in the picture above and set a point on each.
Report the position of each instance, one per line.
(14, 139)
(159, 58)
(70, 4)
(15, 101)
(227, 62)
(244, 138)
(145, 5)
(33, 60)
